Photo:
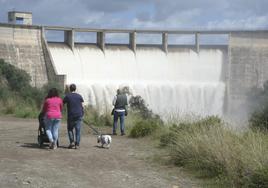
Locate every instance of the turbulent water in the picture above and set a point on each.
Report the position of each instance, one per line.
(179, 82)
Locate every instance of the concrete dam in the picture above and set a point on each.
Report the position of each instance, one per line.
(173, 79)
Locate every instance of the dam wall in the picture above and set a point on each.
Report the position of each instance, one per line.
(197, 78)
(25, 47)
(248, 67)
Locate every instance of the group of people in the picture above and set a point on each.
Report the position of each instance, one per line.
(52, 108)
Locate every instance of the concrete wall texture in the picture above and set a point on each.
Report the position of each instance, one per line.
(248, 66)
(21, 47)
(26, 48)
(23, 17)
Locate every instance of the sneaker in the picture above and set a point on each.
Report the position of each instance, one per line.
(71, 146)
(51, 145)
(122, 134)
(54, 146)
(76, 147)
(114, 133)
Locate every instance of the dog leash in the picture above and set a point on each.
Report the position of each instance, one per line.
(88, 124)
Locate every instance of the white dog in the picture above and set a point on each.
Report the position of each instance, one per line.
(105, 140)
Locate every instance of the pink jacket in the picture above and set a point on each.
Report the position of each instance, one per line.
(53, 107)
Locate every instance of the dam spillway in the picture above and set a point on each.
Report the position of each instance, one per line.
(179, 82)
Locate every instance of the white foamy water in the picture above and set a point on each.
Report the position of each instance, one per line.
(181, 81)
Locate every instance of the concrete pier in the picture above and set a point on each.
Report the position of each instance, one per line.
(197, 42)
(132, 41)
(101, 40)
(165, 42)
(69, 38)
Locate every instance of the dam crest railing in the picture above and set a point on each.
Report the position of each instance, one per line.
(69, 34)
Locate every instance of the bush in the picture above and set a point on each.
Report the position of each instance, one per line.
(144, 128)
(167, 139)
(216, 151)
(17, 78)
(17, 96)
(259, 120)
(137, 103)
(259, 179)
(26, 111)
(10, 106)
(195, 146)
(206, 123)
(5, 93)
(92, 116)
(259, 106)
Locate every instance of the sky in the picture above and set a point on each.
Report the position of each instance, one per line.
(144, 14)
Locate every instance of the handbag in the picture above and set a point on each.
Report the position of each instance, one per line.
(126, 112)
(112, 113)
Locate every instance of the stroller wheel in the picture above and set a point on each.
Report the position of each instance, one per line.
(40, 141)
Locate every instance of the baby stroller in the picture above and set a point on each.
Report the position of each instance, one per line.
(42, 136)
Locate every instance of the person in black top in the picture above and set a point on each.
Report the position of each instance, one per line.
(75, 113)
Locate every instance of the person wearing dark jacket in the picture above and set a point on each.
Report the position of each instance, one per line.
(120, 111)
(75, 113)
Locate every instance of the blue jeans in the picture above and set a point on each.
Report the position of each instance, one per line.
(71, 125)
(52, 129)
(120, 115)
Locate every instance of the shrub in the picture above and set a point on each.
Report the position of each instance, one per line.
(4, 92)
(10, 106)
(206, 123)
(17, 78)
(33, 96)
(210, 147)
(144, 128)
(17, 95)
(26, 111)
(92, 116)
(137, 103)
(259, 119)
(259, 178)
(259, 106)
(167, 139)
(196, 146)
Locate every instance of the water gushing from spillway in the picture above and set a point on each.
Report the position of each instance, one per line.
(181, 81)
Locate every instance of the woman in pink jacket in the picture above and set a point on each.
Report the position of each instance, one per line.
(52, 109)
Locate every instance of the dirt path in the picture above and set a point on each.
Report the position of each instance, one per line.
(24, 164)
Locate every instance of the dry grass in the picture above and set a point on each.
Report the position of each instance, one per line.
(218, 151)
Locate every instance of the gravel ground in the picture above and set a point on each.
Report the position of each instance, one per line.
(124, 165)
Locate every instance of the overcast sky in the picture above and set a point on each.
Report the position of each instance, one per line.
(153, 14)
(144, 14)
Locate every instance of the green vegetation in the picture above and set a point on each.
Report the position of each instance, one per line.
(218, 152)
(259, 106)
(17, 96)
(92, 116)
(144, 128)
(146, 122)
